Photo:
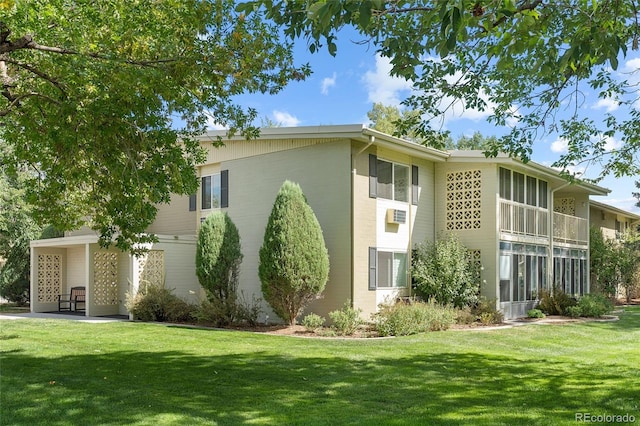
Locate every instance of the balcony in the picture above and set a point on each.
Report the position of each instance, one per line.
(521, 219)
(570, 229)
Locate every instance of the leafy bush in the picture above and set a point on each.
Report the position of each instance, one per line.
(402, 319)
(466, 316)
(573, 311)
(211, 311)
(444, 271)
(294, 262)
(535, 313)
(312, 322)
(248, 312)
(555, 302)
(594, 305)
(485, 310)
(218, 258)
(156, 303)
(346, 320)
(16, 291)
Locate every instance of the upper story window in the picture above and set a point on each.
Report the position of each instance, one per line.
(211, 192)
(523, 189)
(215, 190)
(393, 181)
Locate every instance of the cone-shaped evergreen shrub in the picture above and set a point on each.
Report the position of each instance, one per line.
(218, 258)
(294, 262)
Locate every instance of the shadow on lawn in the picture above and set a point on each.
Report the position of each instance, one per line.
(179, 388)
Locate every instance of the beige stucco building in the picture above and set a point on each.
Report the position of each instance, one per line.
(375, 197)
(612, 221)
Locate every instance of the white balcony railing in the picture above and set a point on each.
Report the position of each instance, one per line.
(521, 219)
(570, 229)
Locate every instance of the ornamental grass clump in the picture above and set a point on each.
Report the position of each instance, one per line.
(294, 262)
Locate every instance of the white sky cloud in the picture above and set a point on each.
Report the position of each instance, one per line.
(628, 204)
(285, 119)
(212, 125)
(608, 104)
(559, 145)
(383, 88)
(328, 82)
(612, 143)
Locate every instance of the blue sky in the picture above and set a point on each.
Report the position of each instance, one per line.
(342, 90)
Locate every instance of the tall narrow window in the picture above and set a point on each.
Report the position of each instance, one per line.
(414, 185)
(542, 194)
(518, 187)
(532, 191)
(385, 180)
(400, 182)
(505, 183)
(206, 192)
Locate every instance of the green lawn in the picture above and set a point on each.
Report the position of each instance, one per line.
(57, 372)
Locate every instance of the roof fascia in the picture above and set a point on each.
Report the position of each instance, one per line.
(613, 209)
(545, 171)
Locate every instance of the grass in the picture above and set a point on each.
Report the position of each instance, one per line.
(12, 308)
(58, 372)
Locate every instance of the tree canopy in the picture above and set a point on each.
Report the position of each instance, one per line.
(387, 119)
(527, 62)
(103, 100)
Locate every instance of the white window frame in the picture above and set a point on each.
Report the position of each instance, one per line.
(392, 270)
(212, 194)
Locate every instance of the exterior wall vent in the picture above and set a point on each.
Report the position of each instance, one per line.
(396, 216)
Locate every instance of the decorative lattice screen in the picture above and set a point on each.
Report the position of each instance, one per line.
(464, 191)
(476, 260)
(151, 268)
(565, 206)
(105, 278)
(49, 277)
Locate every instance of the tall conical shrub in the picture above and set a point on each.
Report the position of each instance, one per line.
(294, 262)
(218, 257)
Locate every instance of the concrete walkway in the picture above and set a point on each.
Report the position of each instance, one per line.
(59, 316)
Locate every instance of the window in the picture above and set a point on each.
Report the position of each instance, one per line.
(390, 180)
(522, 271)
(401, 183)
(215, 191)
(570, 271)
(542, 194)
(522, 189)
(505, 184)
(532, 191)
(518, 187)
(385, 180)
(387, 269)
(211, 192)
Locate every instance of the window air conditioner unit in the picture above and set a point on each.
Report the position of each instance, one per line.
(396, 216)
